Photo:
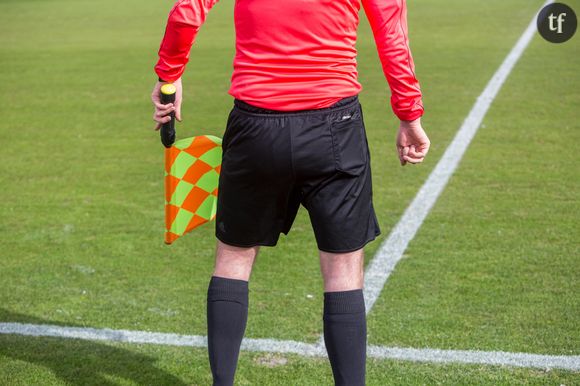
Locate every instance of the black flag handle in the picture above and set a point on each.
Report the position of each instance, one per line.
(167, 131)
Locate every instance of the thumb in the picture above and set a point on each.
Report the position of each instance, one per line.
(178, 112)
(155, 97)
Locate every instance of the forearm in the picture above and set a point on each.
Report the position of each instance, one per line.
(184, 21)
(388, 20)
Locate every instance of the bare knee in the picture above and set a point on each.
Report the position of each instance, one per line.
(342, 271)
(234, 262)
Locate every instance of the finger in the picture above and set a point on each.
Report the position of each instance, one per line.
(405, 153)
(178, 111)
(162, 119)
(162, 113)
(161, 106)
(412, 160)
(157, 126)
(415, 153)
(400, 154)
(424, 148)
(400, 151)
(178, 100)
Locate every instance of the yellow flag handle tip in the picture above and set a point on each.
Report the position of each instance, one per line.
(168, 89)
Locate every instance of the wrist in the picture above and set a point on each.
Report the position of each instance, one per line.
(415, 123)
(160, 79)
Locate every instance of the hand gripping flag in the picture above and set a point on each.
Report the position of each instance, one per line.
(192, 168)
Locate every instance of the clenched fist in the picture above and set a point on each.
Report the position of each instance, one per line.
(161, 114)
(412, 142)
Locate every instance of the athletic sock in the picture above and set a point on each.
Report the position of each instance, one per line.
(227, 315)
(345, 336)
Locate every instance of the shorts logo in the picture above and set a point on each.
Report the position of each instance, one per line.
(557, 23)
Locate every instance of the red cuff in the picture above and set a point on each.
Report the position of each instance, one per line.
(410, 116)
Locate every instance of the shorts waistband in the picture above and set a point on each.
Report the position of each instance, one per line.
(254, 110)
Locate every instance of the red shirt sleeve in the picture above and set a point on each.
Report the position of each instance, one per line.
(185, 19)
(388, 20)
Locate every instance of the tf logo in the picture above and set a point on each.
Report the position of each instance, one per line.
(557, 23)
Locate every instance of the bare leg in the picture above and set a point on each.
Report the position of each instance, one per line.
(342, 271)
(227, 309)
(344, 315)
(234, 262)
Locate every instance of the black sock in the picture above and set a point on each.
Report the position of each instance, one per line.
(227, 314)
(345, 336)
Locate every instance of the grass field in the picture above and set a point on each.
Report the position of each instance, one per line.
(494, 267)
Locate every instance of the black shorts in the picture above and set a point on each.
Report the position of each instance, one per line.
(274, 161)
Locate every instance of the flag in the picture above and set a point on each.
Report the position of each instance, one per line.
(192, 168)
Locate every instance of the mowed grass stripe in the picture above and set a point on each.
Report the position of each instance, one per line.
(494, 266)
(403, 233)
(83, 216)
(69, 255)
(391, 251)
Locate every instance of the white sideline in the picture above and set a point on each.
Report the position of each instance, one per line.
(377, 272)
(300, 348)
(391, 250)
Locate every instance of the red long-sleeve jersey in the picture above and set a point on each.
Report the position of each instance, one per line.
(300, 54)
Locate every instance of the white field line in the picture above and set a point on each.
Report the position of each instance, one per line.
(300, 348)
(376, 274)
(391, 250)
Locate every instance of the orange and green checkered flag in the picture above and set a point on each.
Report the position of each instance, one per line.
(192, 168)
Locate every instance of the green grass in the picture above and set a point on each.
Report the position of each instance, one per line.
(43, 361)
(497, 258)
(81, 204)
